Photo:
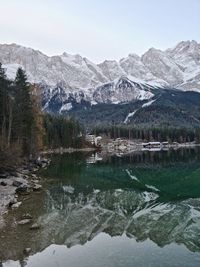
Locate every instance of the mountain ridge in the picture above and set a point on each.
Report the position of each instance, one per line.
(178, 66)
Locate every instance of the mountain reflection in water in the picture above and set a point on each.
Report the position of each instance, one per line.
(143, 196)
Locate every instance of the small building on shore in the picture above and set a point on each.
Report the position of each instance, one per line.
(160, 145)
(94, 140)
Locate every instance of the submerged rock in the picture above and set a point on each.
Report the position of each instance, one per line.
(16, 205)
(17, 183)
(35, 181)
(34, 176)
(35, 226)
(24, 171)
(37, 187)
(22, 189)
(25, 221)
(14, 173)
(27, 216)
(12, 201)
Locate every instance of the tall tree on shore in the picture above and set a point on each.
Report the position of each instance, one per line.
(24, 120)
(38, 132)
(5, 107)
(10, 118)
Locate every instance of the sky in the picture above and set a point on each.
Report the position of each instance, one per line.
(99, 29)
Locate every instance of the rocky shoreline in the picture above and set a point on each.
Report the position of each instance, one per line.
(62, 150)
(19, 181)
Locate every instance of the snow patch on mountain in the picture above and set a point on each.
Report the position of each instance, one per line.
(131, 114)
(148, 103)
(66, 107)
(121, 90)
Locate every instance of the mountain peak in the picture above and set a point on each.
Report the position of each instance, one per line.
(152, 51)
(133, 55)
(184, 46)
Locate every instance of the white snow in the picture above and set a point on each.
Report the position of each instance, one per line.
(93, 103)
(148, 82)
(145, 95)
(66, 107)
(131, 114)
(46, 105)
(148, 103)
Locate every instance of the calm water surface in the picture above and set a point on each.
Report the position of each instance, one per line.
(98, 210)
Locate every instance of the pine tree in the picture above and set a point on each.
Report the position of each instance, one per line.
(5, 104)
(24, 121)
(37, 128)
(2, 104)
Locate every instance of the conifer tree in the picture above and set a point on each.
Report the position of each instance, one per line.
(24, 121)
(4, 106)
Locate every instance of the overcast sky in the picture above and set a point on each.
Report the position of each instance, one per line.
(99, 29)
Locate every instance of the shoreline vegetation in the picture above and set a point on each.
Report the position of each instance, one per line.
(25, 131)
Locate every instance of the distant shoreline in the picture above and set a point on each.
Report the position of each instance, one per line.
(105, 148)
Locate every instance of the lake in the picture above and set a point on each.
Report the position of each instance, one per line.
(141, 209)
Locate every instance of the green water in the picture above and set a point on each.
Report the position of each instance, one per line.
(98, 210)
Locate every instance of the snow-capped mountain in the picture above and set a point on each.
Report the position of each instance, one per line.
(66, 77)
(122, 90)
(59, 100)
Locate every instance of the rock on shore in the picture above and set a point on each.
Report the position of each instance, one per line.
(21, 181)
